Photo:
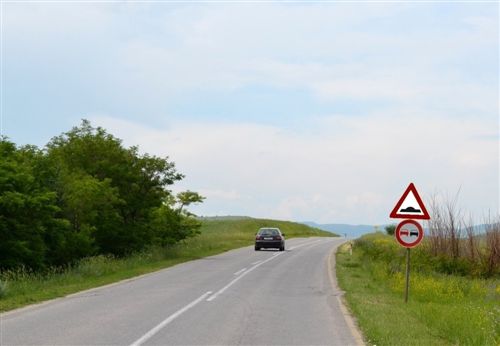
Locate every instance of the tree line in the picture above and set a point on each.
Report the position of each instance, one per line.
(85, 194)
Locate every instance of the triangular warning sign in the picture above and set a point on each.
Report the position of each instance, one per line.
(410, 206)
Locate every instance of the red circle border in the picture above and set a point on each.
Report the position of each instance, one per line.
(419, 239)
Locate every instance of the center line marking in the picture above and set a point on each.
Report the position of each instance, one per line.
(240, 271)
(223, 289)
(169, 319)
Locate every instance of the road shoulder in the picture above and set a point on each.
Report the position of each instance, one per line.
(339, 294)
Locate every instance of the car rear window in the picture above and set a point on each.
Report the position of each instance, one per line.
(269, 231)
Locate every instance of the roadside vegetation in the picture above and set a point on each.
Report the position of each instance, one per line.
(447, 304)
(85, 194)
(22, 286)
(457, 246)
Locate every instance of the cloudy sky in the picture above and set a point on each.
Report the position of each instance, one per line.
(317, 111)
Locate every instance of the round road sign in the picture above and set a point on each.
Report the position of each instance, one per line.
(409, 233)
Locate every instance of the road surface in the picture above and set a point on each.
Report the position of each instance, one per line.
(242, 297)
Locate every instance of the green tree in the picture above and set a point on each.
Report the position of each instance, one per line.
(390, 229)
(186, 198)
(107, 190)
(172, 222)
(28, 211)
(86, 194)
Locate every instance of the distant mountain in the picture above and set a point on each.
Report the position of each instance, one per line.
(352, 231)
(482, 228)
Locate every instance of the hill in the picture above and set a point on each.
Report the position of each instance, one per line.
(231, 232)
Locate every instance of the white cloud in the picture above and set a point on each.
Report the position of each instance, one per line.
(354, 175)
(220, 194)
(436, 76)
(366, 89)
(334, 51)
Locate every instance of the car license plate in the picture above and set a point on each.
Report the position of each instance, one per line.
(268, 238)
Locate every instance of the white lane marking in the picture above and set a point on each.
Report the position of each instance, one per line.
(223, 289)
(304, 244)
(169, 319)
(240, 271)
(256, 262)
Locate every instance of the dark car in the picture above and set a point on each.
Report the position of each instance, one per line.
(270, 238)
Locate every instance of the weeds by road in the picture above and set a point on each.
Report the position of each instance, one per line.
(442, 309)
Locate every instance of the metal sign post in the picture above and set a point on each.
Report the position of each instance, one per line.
(407, 274)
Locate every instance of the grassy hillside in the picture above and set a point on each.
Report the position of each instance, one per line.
(22, 287)
(241, 232)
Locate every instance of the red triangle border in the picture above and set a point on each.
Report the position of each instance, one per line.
(394, 214)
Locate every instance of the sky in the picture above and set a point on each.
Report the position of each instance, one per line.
(303, 111)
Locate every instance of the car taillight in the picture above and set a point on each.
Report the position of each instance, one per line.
(277, 237)
(258, 237)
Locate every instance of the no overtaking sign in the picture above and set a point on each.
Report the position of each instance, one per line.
(409, 233)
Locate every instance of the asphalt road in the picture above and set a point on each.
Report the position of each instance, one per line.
(242, 297)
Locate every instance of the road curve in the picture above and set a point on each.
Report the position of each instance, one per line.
(241, 297)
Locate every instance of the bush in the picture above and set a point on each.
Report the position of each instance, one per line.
(3, 289)
(390, 229)
(457, 266)
(378, 246)
(384, 248)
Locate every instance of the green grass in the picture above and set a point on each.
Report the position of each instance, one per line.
(442, 310)
(21, 287)
(228, 234)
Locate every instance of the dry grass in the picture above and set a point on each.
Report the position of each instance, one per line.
(453, 237)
